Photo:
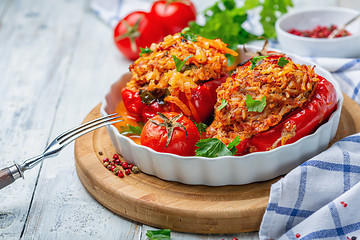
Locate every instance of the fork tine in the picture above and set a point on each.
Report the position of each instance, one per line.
(77, 134)
(85, 125)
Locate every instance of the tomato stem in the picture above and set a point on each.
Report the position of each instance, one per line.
(132, 32)
(170, 124)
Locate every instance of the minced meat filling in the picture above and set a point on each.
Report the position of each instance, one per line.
(285, 87)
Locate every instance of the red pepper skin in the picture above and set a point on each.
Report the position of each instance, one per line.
(306, 119)
(133, 103)
(203, 99)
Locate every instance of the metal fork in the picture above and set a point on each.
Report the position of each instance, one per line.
(10, 174)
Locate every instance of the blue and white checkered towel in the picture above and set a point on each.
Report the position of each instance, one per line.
(320, 199)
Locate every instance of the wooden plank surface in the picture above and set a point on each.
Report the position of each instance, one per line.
(57, 61)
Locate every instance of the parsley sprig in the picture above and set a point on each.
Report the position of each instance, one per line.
(161, 234)
(213, 147)
(201, 127)
(254, 61)
(223, 104)
(282, 62)
(255, 105)
(178, 63)
(144, 51)
(129, 129)
(188, 34)
(225, 18)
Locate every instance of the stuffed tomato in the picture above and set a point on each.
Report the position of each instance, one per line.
(271, 101)
(180, 74)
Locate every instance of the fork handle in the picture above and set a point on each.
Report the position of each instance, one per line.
(9, 175)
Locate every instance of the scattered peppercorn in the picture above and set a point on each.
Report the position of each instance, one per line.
(125, 165)
(135, 169)
(100, 153)
(297, 235)
(116, 162)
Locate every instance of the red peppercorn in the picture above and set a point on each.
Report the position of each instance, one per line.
(130, 166)
(127, 171)
(117, 161)
(235, 238)
(112, 167)
(297, 235)
(120, 174)
(106, 160)
(115, 156)
(125, 165)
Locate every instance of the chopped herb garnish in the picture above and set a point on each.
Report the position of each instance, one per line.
(129, 129)
(282, 62)
(232, 145)
(213, 147)
(188, 34)
(145, 51)
(255, 105)
(255, 60)
(223, 104)
(179, 64)
(161, 234)
(201, 127)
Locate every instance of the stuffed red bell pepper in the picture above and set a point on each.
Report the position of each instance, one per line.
(271, 101)
(180, 74)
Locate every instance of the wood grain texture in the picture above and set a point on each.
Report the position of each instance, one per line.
(180, 207)
(6, 177)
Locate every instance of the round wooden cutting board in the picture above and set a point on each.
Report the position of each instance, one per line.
(176, 206)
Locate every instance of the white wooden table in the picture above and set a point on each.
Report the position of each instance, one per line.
(57, 61)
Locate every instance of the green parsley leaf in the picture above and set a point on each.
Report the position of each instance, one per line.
(282, 62)
(223, 104)
(161, 234)
(188, 34)
(179, 64)
(145, 51)
(232, 145)
(255, 105)
(255, 60)
(201, 127)
(225, 20)
(129, 129)
(211, 147)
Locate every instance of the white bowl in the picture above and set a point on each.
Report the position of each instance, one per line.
(233, 170)
(343, 47)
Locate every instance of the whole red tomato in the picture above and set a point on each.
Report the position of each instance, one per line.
(174, 14)
(181, 142)
(138, 29)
